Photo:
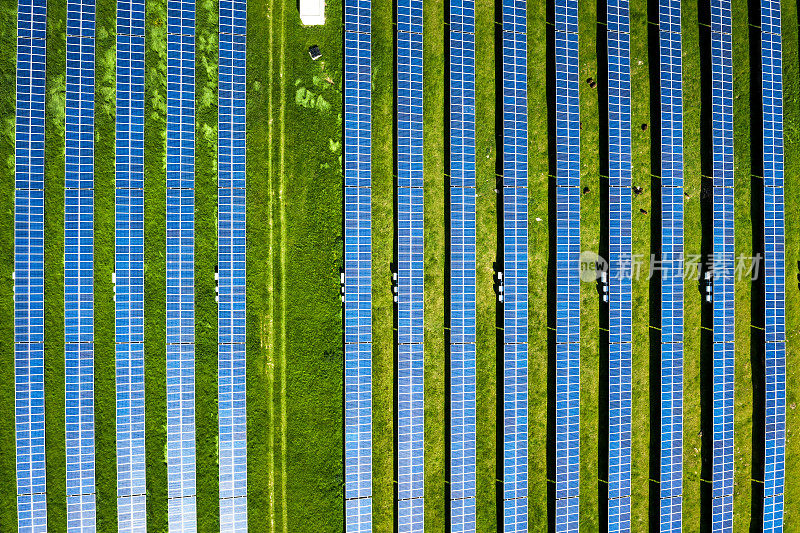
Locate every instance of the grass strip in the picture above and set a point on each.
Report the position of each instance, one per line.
(55, 455)
(308, 195)
(383, 366)
(206, 342)
(259, 447)
(8, 91)
(640, 150)
(436, 418)
(538, 254)
(743, 228)
(791, 97)
(155, 263)
(105, 407)
(486, 254)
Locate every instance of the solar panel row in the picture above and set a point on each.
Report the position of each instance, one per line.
(410, 269)
(79, 266)
(231, 250)
(774, 269)
(180, 266)
(671, 262)
(515, 267)
(620, 263)
(462, 266)
(723, 265)
(358, 266)
(29, 266)
(567, 446)
(129, 268)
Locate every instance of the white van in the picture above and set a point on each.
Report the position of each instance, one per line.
(312, 12)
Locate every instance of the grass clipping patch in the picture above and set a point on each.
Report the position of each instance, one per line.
(313, 98)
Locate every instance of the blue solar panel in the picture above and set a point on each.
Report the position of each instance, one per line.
(181, 461)
(79, 266)
(231, 259)
(29, 267)
(358, 266)
(410, 268)
(671, 263)
(515, 266)
(462, 266)
(774, 269)
(129, 268)
(620, 262)
(567, 177)
(723, 266)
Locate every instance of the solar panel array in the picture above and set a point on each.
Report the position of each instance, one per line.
(129, 268)
(231, 250)
(462, 265)
(79, 266)
(723, 265)
(620, 263)
(29, 266)
(774, 269)
(515, 266)
(410, 271)
(671, 264)
(358, 266)
(180, 266)
(567, 267)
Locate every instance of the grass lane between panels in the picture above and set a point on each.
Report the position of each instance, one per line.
(205, 184)
(155, 263)
(55, 455)
(105, 407)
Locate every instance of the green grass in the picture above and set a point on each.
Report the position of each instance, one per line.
(155, 264)
(435, 191)
(791, 98)
(486, 249)
(308, 196)
(259, 368)
(104, 253)
(54, 269)
(206, 346)
(8, 464)
(383, 431)
(295, 253)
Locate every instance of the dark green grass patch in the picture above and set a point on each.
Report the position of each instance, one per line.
(309, 181)
(104, 194)
(155, 263)
(206, 347)
(54, 269)
(258, 402)
(383, 373)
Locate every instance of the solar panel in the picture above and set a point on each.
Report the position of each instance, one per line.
(671, 263)
(410, 268)
(357, 297)
(774, 269)
(29, 266)
(232, 259)
(722, 266)
(567, 179)
(462, 266)
(620, 263)
(79, 266)
(181, 463)
(129, 268)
